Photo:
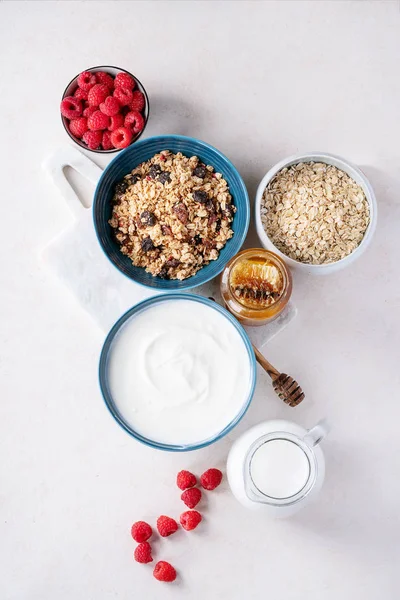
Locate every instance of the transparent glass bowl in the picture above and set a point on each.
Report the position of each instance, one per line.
(254, 316)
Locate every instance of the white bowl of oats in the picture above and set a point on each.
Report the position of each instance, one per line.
(317, 211)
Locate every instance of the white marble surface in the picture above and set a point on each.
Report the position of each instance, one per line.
(259, 81)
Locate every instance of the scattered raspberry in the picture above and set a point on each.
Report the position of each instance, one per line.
(121, 137)
(116, 122)
(92, 139)
(86, 80)
(142, 553)
(191, 497)
(211, 479)
(125, 81)
(134, 121)
(190, 519)
(97, 94)
(138, 102)
(110, 106)
(185, 480)
(78, 126)
(80, 94)
(89, 110)
(141, 531)
(123, 95)
(106, 141)
(71, 107)
(98, 120)
(163, 571)
(166, 526)
(103, 77)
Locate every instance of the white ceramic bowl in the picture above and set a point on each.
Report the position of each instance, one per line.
(355, 173)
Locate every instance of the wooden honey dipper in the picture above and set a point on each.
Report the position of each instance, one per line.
(285, 386)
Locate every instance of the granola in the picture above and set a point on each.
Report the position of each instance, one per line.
(314, 213)
(172, 215)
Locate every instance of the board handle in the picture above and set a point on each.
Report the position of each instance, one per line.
(68, 156)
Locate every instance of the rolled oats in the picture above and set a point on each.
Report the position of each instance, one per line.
(172, 215)
(314, 213)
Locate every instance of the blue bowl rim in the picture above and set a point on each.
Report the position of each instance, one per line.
(197, 141)
(103, 370)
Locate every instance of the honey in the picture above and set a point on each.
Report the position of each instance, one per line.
(256, 286)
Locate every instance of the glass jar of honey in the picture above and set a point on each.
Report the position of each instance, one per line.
(256, 286)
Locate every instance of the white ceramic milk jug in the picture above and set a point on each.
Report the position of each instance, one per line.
(277, 466)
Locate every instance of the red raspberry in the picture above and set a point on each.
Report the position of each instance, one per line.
(116, 122)
(78, 126)
(92, 139)
(89, 110)
(97, 94)
(185, 480)
(98, 120)
(134, 121)
(163, 571)
(211, 479)
(124, 96)
(142, 553)
(121, 137)
(166, 526)
(103, 77)
(138, 102)
(190, 519)
(110, 106)
(191, 497)
(86, 80)
(71, 107)
(80, 94)
(125, 81)
(106, 141)
(141, 531)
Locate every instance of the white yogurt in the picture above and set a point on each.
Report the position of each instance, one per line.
(179, 372)
(279, 468)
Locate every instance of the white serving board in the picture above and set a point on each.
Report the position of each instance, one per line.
(76, 258)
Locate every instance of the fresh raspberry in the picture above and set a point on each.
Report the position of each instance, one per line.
(106, 141)
(138, 102)
(123, 95)
(78, 126)
(98, 120)
(211, 479)
(142, 553)
(89, 110)
(190, 519)
(163, 571)
(185, 480)
(121, 137)
(71, 107)
(97, 94)
(86, 80)
(134, 121)
(115, 122)
(191, 497)
(141, 531)
(92, 139)
(103, 77)
(125, 81)
(110, 106)
(166, 526)
(80, 94)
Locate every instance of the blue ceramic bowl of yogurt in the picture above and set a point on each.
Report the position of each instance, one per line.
(141, 152)
(177, 372)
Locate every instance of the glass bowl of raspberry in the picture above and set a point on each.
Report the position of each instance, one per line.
(104, 109)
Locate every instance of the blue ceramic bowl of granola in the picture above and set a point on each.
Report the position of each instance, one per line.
(140, 152)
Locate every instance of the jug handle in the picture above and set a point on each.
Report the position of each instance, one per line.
(317, 433)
